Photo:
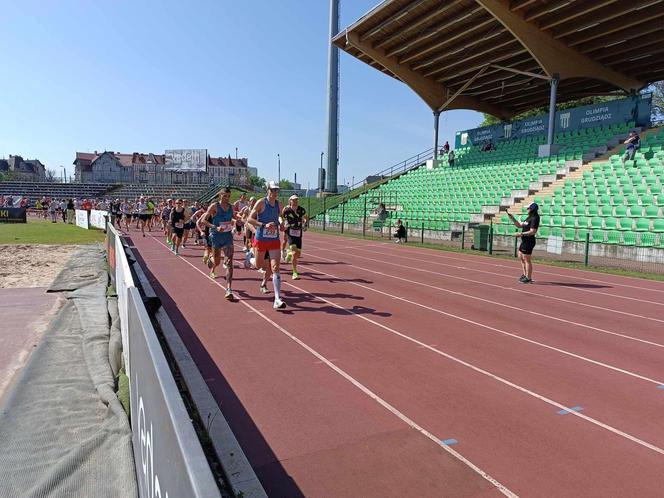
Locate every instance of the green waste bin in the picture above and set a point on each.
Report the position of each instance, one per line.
(481, 238)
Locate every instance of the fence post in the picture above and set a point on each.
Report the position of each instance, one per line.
(343, 216)
(364, 222)
(491, 237)
(463, 237)
(422, 232)
(516, 245)
(324, 214)
(586, 249)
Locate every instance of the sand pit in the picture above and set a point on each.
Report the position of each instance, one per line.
(32, 265)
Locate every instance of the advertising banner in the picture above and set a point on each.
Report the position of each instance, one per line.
(82, 219)
(98, 218)
(168, 456)
(123, 281)
(186, 160)
(13, 215)
(637, 109)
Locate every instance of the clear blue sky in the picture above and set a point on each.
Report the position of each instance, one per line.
(144, 76)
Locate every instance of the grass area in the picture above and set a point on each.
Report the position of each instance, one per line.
(45, 232)
(562, 264)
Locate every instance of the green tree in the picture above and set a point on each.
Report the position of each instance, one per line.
(257, 181)
(286, 185)
(657, 90)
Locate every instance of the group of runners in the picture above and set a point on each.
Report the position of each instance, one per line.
(268, 232)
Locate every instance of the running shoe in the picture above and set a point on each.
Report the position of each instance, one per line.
(247, 264)
(229, 294)
(289, 257)
(263, 289)
(278, 304)
(205, 259)
(296, 276)
(526, 280)
(184, 245)
(283, 254)
(522, 277)
(224, 265)
(213, 275)
(177, 252)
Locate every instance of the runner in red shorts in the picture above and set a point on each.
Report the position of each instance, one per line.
(266, 218)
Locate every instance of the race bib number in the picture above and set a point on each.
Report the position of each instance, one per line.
(226, 226)
(179, 224)
(295, 232)
(270, 233)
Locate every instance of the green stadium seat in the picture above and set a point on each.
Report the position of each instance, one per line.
(629, 238)
(613, 237)
(569, 233)
(543, 232)
(658, 225)
(598, 236)
(635, 211)
(620, 210)
(647, 239)
(642, 225)
(652, 212)
(581, 234)
(606, 210)
(625, 223)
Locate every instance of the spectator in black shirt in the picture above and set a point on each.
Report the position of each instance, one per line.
(632, 144)
(529, 228)
(400, 234)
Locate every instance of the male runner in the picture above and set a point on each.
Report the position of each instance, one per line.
(177, 226)
(219, 218)
(295, 218)
(142, 209)
(265, 217)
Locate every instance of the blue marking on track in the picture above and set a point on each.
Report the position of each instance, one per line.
(449, 442)
(573, 409)
(661, 386)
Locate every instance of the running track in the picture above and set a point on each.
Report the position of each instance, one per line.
(400, 371)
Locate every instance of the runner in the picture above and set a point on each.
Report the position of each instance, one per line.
(265, 217)
(295, 218)
(188, 225)
(177, 226)
(125, 209)
(219, 219)
(238, 207)
(204, 230)
(165, 220)
(150, 211)
(142, 210)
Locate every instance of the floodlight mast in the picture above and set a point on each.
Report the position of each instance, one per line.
(332, 101)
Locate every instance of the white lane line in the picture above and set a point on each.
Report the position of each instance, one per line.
(482, 260)
(590, 291)
(500, 331)
(411, 423)
(502, 380)
(487, 284)
(470, 296)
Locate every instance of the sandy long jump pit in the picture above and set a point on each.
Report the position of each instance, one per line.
(25, 307)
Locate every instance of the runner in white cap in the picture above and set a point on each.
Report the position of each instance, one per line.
(265, 217)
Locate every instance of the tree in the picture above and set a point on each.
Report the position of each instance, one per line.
(286, 185)
(51, 175)
(257, 181)
(657, 90)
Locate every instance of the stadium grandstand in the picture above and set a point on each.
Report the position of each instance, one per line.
(503, 59)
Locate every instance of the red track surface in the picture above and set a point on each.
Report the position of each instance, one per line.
(384, 351)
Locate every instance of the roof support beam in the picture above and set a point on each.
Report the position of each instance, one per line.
(434, 94)
(552, 55)
(399, 15)
(460, 90)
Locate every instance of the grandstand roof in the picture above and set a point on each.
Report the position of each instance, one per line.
(498, 56)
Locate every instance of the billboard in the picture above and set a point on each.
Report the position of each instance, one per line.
(186, 160)
(635, 109)
(13, 215)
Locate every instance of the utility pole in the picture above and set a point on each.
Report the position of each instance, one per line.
(278, 170)
(332, 101)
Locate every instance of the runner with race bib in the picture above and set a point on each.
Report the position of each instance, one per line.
(221, 221)
(177, 226)
(296, 219)
(265, 217)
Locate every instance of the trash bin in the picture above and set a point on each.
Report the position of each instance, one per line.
(481, 237)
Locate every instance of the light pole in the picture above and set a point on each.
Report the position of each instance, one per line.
(321, 185)
(278, 170)
(235, 152)
(64, 172)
